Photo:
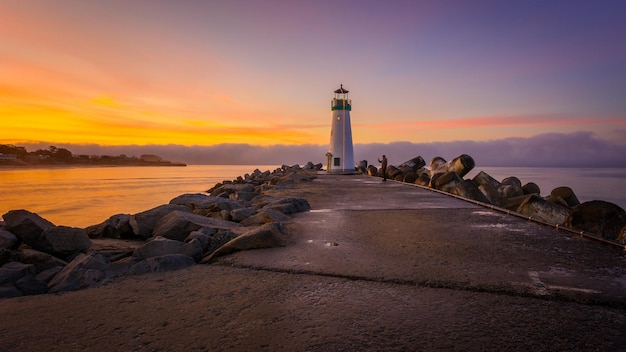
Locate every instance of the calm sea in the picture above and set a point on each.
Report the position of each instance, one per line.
(83, 196)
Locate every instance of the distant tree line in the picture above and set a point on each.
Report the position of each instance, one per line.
(11, 154)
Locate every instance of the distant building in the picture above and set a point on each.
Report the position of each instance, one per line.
(150, 158)
(8, 157)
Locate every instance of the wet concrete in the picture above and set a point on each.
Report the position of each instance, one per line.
(360, 227)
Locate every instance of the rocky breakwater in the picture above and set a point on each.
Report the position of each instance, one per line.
(560, 207)
(38, 257)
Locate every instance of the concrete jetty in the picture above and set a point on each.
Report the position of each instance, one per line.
(373, 266)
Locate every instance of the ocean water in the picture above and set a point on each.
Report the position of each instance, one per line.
(83, 196)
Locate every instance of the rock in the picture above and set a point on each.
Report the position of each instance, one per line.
(29, 285)
(288, 205)
(468, 189)
(194, 200)
(512, 181)
(531, 188)
(177, 225)
(409, 177)
(482, 178)
(117, 226)
(84, 271)
(567, 194)
(237, 215)
(598, 217)
(48, 274)
(435, 164)
(445, 182)
(412, 165)
(9, 290)
(423, 180)
(621, 238)
(461, 165)
(266, 236)
(510, 191)
(25, 225)
(265, 216)
(160, 246)
(392, 172)
(203, 236)
(372, 171)
(539, 208)
(41, 260)
(160, 264)
(220, 238)
(13, 271)
(63, 241)
(8, 240)
(144, 223)
(491, 193)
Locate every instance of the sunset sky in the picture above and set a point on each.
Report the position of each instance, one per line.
(202, 73)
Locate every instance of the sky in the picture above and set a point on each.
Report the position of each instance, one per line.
(515, 82)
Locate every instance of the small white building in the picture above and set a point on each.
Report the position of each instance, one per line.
(340, 156)
(8, 157)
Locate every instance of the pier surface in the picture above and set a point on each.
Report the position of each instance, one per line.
(374, 266)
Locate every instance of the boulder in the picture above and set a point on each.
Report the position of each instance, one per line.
(491, 193)
(531, 188)
(13, 271)
(9, 290)
(599, 217)
(393, 172)
(117, 226)
(178, 224)
(435, 164)
(423, 180)
(461, 165)
(468, 189)
(160, 246)
(30, 285)
(483, 178)
(288, 205)
(539, 208)
(194, 200)
(409, 177)
(203, 236)
(512, 181)
(510, 191)
(567, 194)
(25, 225)
(220, 238)
(84, 271)
(265, 216)
(7, 239)
(265, 236)
(144, 223)
(237, 215)
(372, 171)
(41, 260)
(412, 165)
(63, 241)
(445, 182)
(169, 262)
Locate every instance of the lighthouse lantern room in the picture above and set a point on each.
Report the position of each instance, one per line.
(340, 154)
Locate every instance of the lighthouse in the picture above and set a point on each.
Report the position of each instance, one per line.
(340, 154)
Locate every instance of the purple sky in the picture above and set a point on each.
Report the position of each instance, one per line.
(512, 81)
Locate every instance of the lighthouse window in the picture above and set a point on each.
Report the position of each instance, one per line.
(337, 161)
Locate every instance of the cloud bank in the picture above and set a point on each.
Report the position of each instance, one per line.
(579, 149)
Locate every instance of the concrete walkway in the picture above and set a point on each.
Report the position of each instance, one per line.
(374, 266)
(362, 228)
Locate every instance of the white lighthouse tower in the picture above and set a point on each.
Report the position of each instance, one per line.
(340, 154)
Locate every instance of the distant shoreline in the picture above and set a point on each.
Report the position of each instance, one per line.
(59, 166)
